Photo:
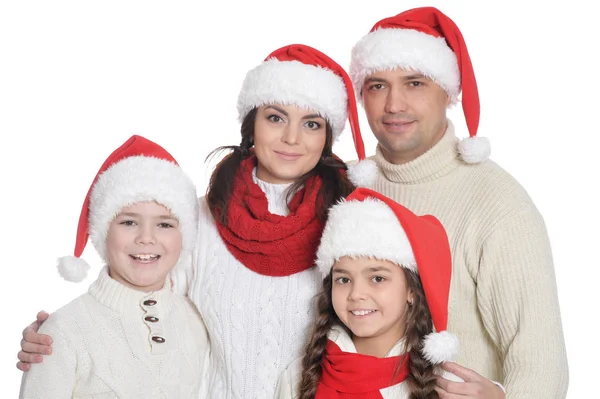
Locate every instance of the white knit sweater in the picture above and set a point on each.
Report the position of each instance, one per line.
(257, 324)
(503, 297)
(103, 347)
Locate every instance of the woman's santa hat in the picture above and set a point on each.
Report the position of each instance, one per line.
(303, 76)
(137, 171)
(369, 225)
(427, 41)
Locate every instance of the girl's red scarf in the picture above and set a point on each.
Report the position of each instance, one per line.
(353, 376)
(269, 244)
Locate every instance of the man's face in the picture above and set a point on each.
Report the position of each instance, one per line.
(406, 113)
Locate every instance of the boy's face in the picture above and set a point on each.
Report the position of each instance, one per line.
(143, 244)
(371, 298)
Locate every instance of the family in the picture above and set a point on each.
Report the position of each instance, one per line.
(424, 271)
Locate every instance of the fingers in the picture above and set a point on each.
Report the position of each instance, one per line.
(42, 316)
(32, 348)
(23, 366)
(31, 335)
(466, 374)
(25, 357)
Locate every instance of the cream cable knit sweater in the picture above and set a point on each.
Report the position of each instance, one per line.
(103, 347)
(503, 298)
(257, 324)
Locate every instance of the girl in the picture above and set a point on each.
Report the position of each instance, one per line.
(385, 289)
(129, 336)
(261, 220)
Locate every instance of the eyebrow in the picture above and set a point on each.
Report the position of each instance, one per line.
(338, 270)
(163, 217)
(415, 76)
(375, 80)
(310, 116)
(378, 269)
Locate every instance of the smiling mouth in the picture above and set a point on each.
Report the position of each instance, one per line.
(145, 258)
(362, 312)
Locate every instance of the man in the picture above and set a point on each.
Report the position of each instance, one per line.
(503, 301)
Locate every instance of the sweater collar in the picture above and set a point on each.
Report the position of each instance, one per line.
(125, 300)
(276, 195)
(438, 161)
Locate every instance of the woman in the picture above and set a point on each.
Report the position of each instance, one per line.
(262, 218)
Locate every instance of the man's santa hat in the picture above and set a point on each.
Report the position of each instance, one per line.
(137, 171)
(427, 41)
(303, 76)
(369, 225)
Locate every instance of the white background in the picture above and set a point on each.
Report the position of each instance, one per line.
(78, 78)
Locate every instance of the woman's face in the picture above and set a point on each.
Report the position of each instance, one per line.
(288, 142)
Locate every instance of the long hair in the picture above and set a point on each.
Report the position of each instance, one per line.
(421, 378)
(331, 169)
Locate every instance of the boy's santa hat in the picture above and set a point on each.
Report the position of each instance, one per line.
(137, 171)
(427, 41)
(303, 76)
(369, 225)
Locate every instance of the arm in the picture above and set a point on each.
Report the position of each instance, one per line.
(33, 344)
(56, 376)
(288, 384)
(518, 302)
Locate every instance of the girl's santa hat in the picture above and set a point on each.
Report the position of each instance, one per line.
(427, 41)
(303, 76)
(137, 171)
(369, 225)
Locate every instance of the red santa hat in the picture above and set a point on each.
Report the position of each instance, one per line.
(303, 76)
(369, 225)
(138, 171)
(427, 41)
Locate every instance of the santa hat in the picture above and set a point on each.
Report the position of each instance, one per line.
(137, 171)
(369, 225)
(303, 76)
(427, 41)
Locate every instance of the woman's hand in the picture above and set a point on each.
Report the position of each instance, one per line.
(475, 386)
(34, 345)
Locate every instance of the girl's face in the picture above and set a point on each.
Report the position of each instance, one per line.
(288, 142)
(143, 244)
(371, 298)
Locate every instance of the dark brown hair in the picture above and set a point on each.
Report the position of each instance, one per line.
(421, 378)
(330, 168)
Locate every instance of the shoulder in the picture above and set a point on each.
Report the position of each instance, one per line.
(68, 321)
(493, 190)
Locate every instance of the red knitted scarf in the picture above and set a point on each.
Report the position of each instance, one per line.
(269, 244)
(353, 376)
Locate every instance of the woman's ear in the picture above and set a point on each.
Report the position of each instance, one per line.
(410, 297)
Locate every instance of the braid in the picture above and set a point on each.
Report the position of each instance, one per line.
(312, 360)
(421, 377)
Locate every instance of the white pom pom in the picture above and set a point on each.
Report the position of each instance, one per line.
(363, 173)
(474, 149)
(72, 269)
(440, 347)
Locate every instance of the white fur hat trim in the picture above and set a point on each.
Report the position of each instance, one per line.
(295, 83)
(367, 229)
